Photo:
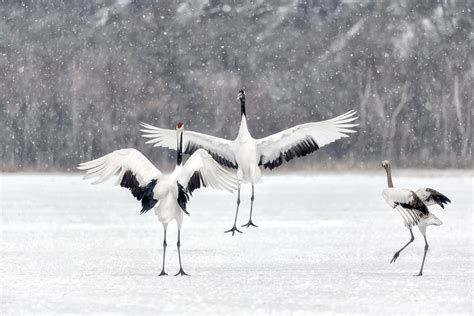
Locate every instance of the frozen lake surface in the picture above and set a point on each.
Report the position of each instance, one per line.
(323, 245)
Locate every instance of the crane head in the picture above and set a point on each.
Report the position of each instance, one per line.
(241, 95)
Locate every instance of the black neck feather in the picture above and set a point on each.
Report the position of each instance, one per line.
(242, 105)
(179, 155)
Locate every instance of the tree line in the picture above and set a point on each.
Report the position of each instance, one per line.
(78, 76)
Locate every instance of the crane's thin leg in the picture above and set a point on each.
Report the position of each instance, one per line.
(181, 271)
(164, 251)
(424, 257)
(250, 223)
(395, 256)
(234, 228)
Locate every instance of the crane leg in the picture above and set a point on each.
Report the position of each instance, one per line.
(424, 257)
(181, 271)
(234, 228)
(164, 251)
(395, 256)
(250, 223)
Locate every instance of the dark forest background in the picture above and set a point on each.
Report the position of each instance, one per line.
(78, 76)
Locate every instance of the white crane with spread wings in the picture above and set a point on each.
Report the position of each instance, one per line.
(413, 208)
(167, 194)
(247, 154)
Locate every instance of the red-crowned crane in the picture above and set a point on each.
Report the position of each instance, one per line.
(167, 194)
(413, 208)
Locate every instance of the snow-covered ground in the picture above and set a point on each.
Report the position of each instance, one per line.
(323, 245)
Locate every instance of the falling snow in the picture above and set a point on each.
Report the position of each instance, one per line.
(71, 71)
(77, 77)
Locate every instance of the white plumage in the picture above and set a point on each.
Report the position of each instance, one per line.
(167, 194)
(396, 197)
(322, 133)
(247, 154)
(121, 160)
(432, 197)
(161, 137)
(413, 208)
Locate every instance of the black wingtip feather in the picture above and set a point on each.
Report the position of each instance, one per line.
(301, 149)
(195, 182)
(144, 194)
(191, 148)
(438, 197)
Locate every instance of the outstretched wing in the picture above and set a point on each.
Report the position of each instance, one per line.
(303, 139)
(432, 197)
(135, 172)
(202, 170)
(220, 149)
(407, 203)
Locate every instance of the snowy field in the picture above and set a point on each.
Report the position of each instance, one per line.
(323, 246)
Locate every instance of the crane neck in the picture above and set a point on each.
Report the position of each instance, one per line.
(243, 130)
(389, 177)
(242, 105)
(179, 149)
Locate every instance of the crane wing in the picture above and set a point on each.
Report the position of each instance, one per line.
(407, 203)
(303, 139)
(220, 149)
(432, 197)
(135, 172)
(201, 170)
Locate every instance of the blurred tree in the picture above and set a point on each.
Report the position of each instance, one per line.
(78, 76)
